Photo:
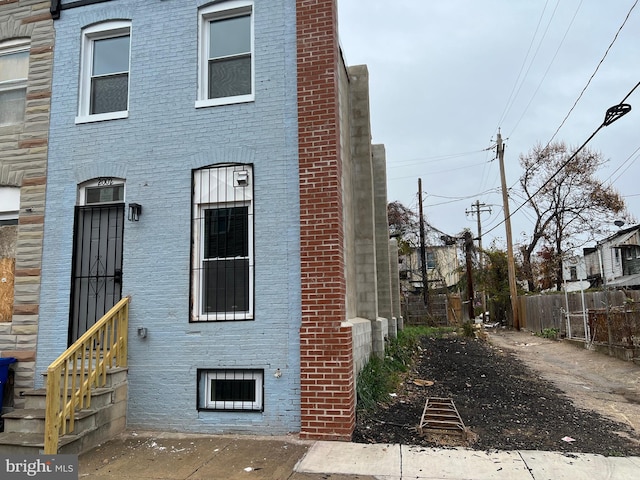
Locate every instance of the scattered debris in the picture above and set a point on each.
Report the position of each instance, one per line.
(423, 383)
(568, 439)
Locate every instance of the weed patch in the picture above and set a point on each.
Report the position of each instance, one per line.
(381, 376)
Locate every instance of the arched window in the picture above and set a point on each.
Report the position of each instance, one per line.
(222, 266)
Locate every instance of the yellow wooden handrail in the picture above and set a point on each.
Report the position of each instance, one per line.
(82, 367)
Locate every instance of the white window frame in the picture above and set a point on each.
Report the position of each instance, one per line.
(101, 31)
(99, 183)
(235, 8)
(220, 186)
(207, 403)
(9, 205)
(8, 48)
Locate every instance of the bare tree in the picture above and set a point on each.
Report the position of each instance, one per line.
(403, 224)
(568, 202)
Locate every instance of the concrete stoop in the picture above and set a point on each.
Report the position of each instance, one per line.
(102, 421)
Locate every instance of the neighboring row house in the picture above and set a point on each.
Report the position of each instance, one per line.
(443, 268)
(26, 59)
(615, 260)
(213, 161)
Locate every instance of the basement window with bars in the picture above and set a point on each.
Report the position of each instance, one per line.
(230, 390)
(222, 257)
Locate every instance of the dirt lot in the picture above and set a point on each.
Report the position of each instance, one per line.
(517, 391)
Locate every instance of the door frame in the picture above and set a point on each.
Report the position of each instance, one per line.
(103, 197)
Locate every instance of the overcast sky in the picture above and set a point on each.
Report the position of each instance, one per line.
(446, 74)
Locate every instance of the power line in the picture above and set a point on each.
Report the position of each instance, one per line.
(453, 200)
(611, 116)
(435, 158)
(464, 167)
(594, 73)
(493, 190)
(623, 165)
(513, 95)
(591, 78)
(544, 76)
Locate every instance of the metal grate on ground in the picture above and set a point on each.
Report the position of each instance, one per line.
(440, 417)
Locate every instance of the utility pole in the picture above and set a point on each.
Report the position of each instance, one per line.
(468, 246)
(513, 289)
(423, 252)
(480, 207)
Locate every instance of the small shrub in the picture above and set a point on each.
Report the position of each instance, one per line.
(551, 333)
(468, 330)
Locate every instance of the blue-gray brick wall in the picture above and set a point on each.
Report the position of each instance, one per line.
(155, 150)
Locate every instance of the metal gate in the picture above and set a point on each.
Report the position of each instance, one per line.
(96, 278)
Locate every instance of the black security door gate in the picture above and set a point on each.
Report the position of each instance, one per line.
(96, 282)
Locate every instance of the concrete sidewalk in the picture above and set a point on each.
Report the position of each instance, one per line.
(160, 456)
(203, 457)
(395, 462)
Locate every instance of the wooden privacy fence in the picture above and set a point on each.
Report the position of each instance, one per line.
(568, 313)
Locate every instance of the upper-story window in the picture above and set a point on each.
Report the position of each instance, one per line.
(104, 74)
(431, 260)
(226, 63)
(14, 71)
(573, 273)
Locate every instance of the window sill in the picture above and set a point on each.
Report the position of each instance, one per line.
(222, 318)
(214, 102)
(101, 117)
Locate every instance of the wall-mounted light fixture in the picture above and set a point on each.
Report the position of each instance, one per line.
(135, 209)
(241, 178)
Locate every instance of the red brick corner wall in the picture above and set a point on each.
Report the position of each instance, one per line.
(327, 381)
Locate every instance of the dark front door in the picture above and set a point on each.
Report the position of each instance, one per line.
(96, 281)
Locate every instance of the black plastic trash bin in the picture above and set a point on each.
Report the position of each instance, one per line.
(4, 375)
